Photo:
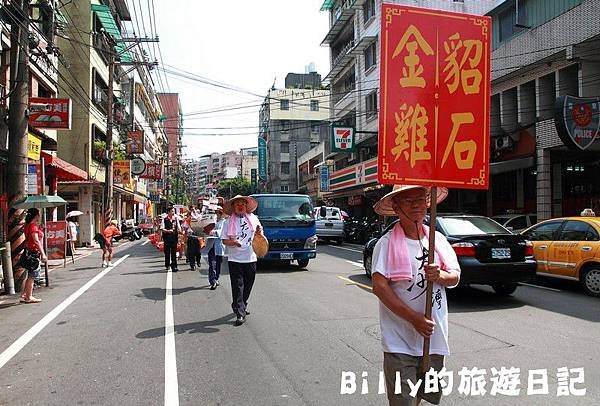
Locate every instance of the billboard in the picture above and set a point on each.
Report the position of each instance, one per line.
(50, 113)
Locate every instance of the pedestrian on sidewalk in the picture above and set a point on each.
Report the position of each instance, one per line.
(238, 233)
(216, 252)
(400, 269)
(72, 234)
(171, 229)
(111, 231)
(34, 250)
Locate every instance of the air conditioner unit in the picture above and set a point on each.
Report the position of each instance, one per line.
(503, 142)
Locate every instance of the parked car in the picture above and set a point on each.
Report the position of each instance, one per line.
(516, 222)
(330, 225)
(488, 253)
(568, 248)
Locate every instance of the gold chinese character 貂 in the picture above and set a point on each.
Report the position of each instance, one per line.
(411, 133)
(458, 53)
(460, 147)
(411, 41)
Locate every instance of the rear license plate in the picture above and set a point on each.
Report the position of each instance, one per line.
(501, 253)
(328, 224)
(286, 255)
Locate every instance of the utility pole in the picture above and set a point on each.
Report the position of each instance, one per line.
(108, 177)
(17, 124)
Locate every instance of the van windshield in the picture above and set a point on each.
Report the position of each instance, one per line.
(284, 207)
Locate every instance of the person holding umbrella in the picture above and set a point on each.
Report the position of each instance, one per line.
(237, 234)
(400, 270)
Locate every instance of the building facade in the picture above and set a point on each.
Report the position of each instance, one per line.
(292, 121)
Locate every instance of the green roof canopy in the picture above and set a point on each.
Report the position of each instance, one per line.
(327, 5)
(110, 25)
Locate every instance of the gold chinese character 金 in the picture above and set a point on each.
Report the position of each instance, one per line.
(412, 40)
(458, 53)
(463, 161)
(411, 134)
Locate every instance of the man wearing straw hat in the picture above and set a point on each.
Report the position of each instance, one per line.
(400, 272)
(237, 234)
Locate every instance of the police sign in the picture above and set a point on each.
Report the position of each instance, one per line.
(577, 120)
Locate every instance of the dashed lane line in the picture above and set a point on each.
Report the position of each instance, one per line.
(351, 282)
(30, 334)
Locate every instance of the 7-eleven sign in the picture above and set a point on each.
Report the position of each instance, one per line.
(342, 139)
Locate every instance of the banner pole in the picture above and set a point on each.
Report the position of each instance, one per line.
(430, 259)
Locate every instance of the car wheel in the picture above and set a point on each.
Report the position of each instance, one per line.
(303, 263)
(590, 280)
(505, 289)
(367, 262)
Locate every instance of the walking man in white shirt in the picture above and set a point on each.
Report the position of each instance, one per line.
(400, 271)
(237, 234)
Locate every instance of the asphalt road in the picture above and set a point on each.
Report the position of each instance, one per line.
(108, 344)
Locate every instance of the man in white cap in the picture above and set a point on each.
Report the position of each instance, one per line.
(238, 233)
(400, 271)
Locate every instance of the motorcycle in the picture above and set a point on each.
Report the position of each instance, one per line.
(132, 233)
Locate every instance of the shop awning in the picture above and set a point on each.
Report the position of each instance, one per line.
(327, 5)
(110, 25)
(511, 165)
(62, 169)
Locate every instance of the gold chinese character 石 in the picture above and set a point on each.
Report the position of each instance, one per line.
(471, 50)
(460, 147)
(411, 132)
(412, 74)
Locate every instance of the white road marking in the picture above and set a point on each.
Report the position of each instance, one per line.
(344, 248)
(355, 263)
(540, 287)
(171, 384)
(22, 341)
(351, 282)
(145, 242)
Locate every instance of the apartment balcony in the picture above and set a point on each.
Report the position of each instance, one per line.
(341, 15)
(347, 55)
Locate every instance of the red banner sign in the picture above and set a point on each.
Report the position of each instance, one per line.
(435, 92)
(153, 171)
(49, 113)
(56, 236)
(136, 142)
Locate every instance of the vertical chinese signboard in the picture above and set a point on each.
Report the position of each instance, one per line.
(254, 179)
(262, 159)
(56, 236)
(135, 143)
(435, 92)
(122, 172)
(324, 178)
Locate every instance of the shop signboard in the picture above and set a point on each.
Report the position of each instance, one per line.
(363, 173)
(342, 139)
(152, 171)
(135, 144)
(262, 159)
(254, 179)
(122, 172)
(56, 238)
(154, 197)
(435, 98)
(577, 120)
(138, 166)
(324, 178)
(34, 179)
(34, 147)
(50, 113)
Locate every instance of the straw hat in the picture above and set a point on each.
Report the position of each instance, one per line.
(260, 245)
(384, 205)
(251, 204)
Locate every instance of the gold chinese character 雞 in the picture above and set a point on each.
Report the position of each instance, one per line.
(411, 133)
(471, 50)
(411, 41)
(460, 147)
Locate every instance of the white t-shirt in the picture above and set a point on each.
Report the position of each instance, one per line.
(397, 334)
(244, 235)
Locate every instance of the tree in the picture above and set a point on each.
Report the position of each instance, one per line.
(236, 186)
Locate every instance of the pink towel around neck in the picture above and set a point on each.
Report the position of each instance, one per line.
(398, 261)
(232, 229)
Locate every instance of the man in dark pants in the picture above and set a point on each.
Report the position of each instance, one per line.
(238, 233)
(170, 231)
(216, 252)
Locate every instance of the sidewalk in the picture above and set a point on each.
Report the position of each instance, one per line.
(55, 264)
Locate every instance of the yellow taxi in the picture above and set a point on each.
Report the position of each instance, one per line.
(568, 248)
